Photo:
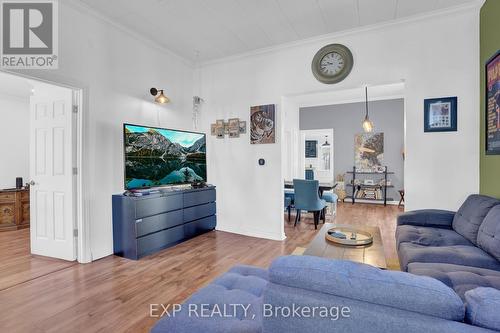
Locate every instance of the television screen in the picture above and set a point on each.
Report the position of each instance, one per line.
(157, 156)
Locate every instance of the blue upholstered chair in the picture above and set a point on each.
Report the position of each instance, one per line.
(307, 198)
(289, 200)
(331, 198)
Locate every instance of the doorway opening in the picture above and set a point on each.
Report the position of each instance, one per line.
(40, 145)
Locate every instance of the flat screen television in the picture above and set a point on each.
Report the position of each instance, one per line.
(159, 156)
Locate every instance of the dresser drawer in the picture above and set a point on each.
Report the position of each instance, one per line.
(159, 222)
(159, 240)
(199, 197)
(8, 197)
(200, 226)
(7, 214)
(198, 212)
(154, 206)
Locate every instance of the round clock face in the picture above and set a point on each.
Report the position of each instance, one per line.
(332, 63)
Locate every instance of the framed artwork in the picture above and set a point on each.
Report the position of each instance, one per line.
(220, 129)
(243, 127)
(311, 149)
(368, 151)
(233, 126)
(263, 124)
(440, 114)
(492, 105)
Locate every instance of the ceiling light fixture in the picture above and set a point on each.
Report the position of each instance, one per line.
(367, 123)
(159, 96)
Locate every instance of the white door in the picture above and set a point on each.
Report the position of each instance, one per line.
(51, 170)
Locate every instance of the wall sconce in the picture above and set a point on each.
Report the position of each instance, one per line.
(159, 96)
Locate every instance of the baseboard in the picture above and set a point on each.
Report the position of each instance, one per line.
(252, 233)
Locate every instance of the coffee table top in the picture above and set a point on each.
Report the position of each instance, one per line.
(372, 254)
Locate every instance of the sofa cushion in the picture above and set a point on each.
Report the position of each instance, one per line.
(241, 285)
(454, 254)
(488, 237)
(472, 213)
(437, 218)
(459, 278)
(483, 307)
(367, 283)
(429, 236)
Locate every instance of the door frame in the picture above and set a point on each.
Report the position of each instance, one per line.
(82, 211)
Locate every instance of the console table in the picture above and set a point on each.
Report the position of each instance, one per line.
(147, 224)
(14, 209)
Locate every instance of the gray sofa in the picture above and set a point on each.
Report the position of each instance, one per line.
(460, 249)
(358, 298)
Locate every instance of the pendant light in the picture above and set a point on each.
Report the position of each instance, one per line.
(367, 123)
(326, 144)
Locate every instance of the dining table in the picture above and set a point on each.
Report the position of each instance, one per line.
(323, 186)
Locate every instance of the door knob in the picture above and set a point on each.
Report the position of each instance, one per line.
(32, 183)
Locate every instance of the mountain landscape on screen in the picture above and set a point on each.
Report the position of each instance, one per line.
(155, 157)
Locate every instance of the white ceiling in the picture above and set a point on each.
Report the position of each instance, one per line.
(221, 28)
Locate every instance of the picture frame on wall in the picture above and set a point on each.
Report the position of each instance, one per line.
(220, 128)
(311, 149)
(440, 114)
(492, 105)
(234, 127)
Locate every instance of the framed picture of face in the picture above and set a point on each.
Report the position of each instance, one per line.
(440, 114)
(492, 105)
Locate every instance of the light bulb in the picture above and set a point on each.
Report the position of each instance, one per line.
(367, 125)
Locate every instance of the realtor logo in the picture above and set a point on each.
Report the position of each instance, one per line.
(29, 34)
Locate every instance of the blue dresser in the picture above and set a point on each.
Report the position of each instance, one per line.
(147, 224)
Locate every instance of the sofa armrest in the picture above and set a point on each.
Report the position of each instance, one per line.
(427, 218)
(366, 283)
(483, 305)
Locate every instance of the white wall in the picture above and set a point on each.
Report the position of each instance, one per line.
(14, 139)
(116, 69)
(436, 56)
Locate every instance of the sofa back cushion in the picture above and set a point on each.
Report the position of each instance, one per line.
(488, 237)
(366, 283)
(483, 306)
(472, 213)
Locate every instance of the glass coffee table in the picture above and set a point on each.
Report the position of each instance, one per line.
(371, 254)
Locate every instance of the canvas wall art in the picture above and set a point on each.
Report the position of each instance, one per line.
(493, 105)
(263, 124)
(368, 151)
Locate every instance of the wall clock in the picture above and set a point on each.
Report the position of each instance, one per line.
(332, 63)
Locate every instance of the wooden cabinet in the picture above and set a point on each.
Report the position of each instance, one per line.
(14, 209)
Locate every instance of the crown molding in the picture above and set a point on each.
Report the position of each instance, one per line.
(472, 6)
(86, 9)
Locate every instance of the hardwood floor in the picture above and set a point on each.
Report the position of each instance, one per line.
(113, 294)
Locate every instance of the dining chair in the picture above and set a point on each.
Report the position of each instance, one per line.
(307, 199)
(289, 201)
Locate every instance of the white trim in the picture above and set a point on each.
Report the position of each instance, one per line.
(82, 211)
(253, 233)
(476, 5)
